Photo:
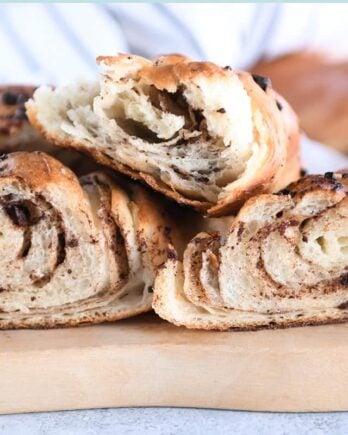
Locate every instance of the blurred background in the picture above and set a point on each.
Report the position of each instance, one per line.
(303, 48)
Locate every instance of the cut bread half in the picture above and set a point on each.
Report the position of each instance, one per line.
(205, 136)
(74, 253)
(17, 134)
(284, 263)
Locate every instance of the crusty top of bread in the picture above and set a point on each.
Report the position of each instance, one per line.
(38, 169)
(169, 71)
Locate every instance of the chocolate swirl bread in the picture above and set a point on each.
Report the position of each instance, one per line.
(283, 263)
(15, 129)
(17, 134)
(205, 136)
(73, 253)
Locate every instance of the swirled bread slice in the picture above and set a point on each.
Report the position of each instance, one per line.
(203, 135)
(15, 129)
(17, 134)
(74, 253)
(283, 263)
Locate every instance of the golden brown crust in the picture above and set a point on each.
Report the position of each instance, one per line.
(37, 168)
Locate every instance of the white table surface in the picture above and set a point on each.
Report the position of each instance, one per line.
(167, 421)
(171, 421)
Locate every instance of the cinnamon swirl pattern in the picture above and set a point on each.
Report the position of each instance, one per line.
(283, 263)
(74, 253)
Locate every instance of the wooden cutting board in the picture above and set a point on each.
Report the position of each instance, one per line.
(148, 362)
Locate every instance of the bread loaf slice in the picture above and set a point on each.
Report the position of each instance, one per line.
(283, 263)
(74, 252)
(205, 136)
(17, 134)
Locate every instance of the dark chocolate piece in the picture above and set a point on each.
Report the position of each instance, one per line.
(9, 98)
(263, 82)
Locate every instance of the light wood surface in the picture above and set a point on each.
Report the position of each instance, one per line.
(147, 362)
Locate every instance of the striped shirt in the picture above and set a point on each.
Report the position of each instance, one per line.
(55, 43)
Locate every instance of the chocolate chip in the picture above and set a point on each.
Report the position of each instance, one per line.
(303, 172)
(343, 306)
(3, 167)
(73, 243)
(3, 157)
(284, 192)
(344, 279)
(345, 175)
(202, 179)
(9, 98)
(329, 175)
(171, 254)
(240, 230)
(228, 68)
(305, 239)
(263, 82)
(222, 110)
(60, 249)
(279, 214)
(279, 105)
(167, 231)
(18, 214)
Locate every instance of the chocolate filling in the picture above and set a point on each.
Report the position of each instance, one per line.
(177, 104)
(344, 279)
(343, 306)
(9, 98)
(26, 243)
(18, 213)
(22, 213)
(61, 249)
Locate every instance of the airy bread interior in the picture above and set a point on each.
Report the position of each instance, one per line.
(17, 134)
(284, 262)
(198, 129)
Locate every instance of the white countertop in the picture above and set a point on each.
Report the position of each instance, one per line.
(170, 421)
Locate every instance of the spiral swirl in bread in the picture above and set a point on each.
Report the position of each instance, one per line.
(73, 253)
(284, 262)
